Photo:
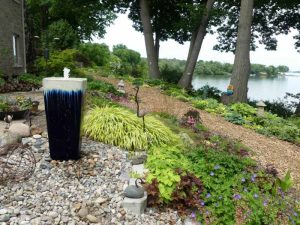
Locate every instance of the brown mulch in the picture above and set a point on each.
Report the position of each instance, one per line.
(282, 155)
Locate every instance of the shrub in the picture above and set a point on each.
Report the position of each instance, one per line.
(153, 82)
(170, 74)
(207, 92)
(131, 62)
(101, 86)
(97, 53)
(31, 79)
(56, 63)
(121, 127)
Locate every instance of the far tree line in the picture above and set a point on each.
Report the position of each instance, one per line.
(240, 24)
(222, 69)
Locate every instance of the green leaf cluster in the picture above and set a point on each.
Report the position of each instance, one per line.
(162, 163)
(101, 86)
(56, 63)
(231, 183)
(96, 53)
(120, 127)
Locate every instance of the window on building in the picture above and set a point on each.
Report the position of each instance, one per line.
(16, 50)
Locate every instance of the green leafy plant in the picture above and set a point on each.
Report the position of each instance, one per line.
(102, 86)
(96, 53)
(31, 79)
(2, 81)
(121, 127)
(284, 184)
(162, 163)
(207, 92)
(15, 104)
(57, 61)
(243, 109)
(210, 105)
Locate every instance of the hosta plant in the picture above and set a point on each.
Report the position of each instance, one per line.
(121, 127)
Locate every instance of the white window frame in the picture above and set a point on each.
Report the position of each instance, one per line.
(16, 50)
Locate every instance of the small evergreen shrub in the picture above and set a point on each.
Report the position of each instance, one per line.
(207, 92)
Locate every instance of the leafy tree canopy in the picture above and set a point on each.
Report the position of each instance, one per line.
(87, 18)
(270, 18)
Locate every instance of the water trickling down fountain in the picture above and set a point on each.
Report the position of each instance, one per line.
(63, 105)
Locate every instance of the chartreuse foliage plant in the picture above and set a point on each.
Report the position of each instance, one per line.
(162, 163)
(121, 127)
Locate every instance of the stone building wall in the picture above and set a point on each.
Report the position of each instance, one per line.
(12, 42)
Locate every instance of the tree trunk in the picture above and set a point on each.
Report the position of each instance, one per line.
(297, 112)
(157, 37)
(149, 41)
(195, 47)
(241, 67)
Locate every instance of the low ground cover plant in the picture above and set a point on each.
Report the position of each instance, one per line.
(246, 115)
(217, 183)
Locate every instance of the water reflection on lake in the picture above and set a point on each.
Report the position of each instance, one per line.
(260, 88)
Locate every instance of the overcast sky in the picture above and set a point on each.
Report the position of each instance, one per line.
(122, 32)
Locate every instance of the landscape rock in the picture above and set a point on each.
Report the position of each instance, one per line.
(20, 128)
(83, 212)
(4, 218)
(65, 192)
(9, 138)
(133, 191)
(92, 218)
(36, 130)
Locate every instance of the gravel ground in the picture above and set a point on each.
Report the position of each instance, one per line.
(87, 191)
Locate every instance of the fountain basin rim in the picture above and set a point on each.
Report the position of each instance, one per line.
(65, 79)
(64, 84)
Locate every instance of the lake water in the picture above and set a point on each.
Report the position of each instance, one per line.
(260, 88)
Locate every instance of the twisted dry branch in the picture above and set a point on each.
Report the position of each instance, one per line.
(17, 164)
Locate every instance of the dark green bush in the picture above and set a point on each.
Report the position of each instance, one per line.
(31, 79)
(59, 36)
(153, 82)
(101, 86)
(97, 53)
(170, 74)
(278, 107)
(207, 92)
(131, 62)
(57, 61)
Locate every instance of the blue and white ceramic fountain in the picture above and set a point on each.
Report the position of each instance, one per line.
(64, 99)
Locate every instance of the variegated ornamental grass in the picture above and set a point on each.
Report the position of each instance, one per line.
(120, 127)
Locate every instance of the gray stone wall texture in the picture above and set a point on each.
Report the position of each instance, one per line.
(11, 23)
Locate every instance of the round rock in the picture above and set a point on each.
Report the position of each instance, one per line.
(134, 192)
(20, 128)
